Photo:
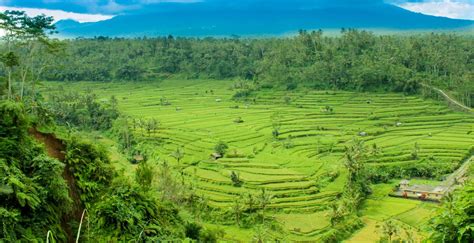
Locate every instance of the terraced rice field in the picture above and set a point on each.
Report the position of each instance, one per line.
(298, 168)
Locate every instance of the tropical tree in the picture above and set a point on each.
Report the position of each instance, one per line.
(27, 44)
(235, 179)
(357, 182)
(178, 154)
(264, 199)
(10, 61)
(250, 202)
(260, 234)
(389, 229)
(454, 222)
(415, 151)
(221, 148)
(151, 125)
(237, 209)
(168, 186)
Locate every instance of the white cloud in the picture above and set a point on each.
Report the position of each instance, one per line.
(60, 14)
(444, 8)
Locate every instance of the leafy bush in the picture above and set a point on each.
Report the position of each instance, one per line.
(123, 133)
(291, 86)
(236, 179)
(90, 167)
(193, 230)
(126, 211)
(221, 148)
(210, 235)
(454, 221)
(33, 194)
(243, 93)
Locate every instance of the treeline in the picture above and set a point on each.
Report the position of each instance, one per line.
(356, 60)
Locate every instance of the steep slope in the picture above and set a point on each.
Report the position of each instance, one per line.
(56, 148)
(248, 18)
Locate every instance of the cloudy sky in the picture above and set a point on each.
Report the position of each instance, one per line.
(96, 10)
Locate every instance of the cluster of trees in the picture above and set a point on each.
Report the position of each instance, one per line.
(454, 222)
(356, 60)
(84, 111)
(248, 210)
(343, 215)
(426, 168)
(26, 53)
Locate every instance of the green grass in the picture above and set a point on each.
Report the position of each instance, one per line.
(198, 118)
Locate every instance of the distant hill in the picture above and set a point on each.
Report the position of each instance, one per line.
(256, 18)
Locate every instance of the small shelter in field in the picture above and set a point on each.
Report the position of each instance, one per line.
(216, 156)
(138, 158)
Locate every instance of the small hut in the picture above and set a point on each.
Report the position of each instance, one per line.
(216, 156)
(138, 158)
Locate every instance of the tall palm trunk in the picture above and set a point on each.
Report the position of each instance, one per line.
(10, 96)
(22, 85)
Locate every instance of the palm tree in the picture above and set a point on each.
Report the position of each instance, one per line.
(237, 209)
(264, 199)
(260, 234)
(250, 202)
(178, 154)
(390, 229)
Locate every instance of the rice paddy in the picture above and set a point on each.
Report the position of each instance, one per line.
(303, 168)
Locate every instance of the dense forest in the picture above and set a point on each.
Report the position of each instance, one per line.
(355, 60)
(53, 172)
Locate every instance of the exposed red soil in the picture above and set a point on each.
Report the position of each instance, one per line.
(55, 148)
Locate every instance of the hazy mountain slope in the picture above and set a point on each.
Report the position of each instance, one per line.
(217, 18)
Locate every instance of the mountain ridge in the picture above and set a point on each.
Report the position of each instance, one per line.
(217, 18)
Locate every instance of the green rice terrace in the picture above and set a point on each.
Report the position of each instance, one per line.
(292, 144)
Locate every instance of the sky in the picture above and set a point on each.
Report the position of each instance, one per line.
(97, 10)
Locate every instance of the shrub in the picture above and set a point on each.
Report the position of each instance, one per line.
(126, 211)
(238, 120)
(193, 230)
(221, 148)
(288, 143)
(90, 167)
(454, 221)
(291, 86)
(243, 93)
(210, 235)
(267, 86)
(144, 174)
(236, 179)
